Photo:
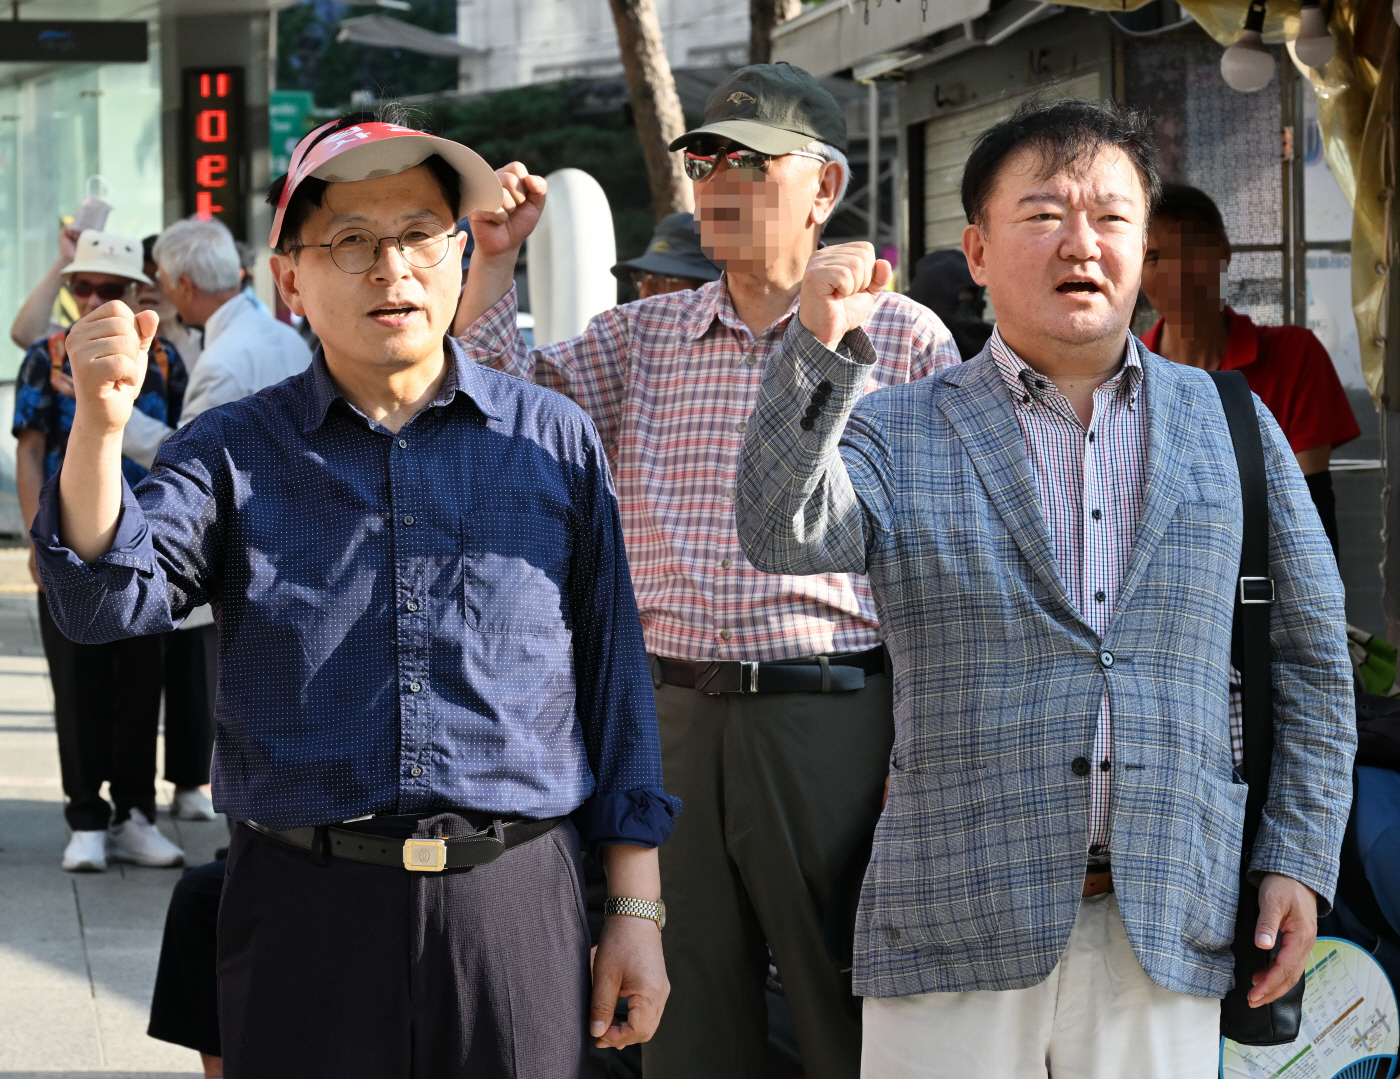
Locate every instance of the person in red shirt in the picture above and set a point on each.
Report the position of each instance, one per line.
(1183, 277)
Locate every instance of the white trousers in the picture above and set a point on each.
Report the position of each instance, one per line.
(1098, 1016)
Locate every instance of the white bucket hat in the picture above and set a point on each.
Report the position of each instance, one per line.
(106, 252)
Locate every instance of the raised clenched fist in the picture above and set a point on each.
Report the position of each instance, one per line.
(839, 289)
(502, 231)
(107, 352)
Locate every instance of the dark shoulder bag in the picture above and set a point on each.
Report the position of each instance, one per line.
(1276, 1023)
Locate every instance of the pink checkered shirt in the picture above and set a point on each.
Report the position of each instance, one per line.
(1090, 487)
(670, 382)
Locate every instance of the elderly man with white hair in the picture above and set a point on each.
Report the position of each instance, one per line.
(772, 690)
(245, 350)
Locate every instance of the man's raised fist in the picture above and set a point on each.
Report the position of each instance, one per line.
(839, 289)
(498, 232)
(107, 352)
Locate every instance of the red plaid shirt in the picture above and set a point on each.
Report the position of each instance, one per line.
(670, 382)
(1090, 487)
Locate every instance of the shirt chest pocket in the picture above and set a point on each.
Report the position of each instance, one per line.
(515, 566)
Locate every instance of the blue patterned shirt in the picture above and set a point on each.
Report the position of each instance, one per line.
(435, 619)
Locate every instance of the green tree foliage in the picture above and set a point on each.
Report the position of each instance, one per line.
(582, 125)
(566, 125)
(310, 58)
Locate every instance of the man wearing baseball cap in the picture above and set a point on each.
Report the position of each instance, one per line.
(432, 681)
(772, 691)
(672, 262)
(106, 695)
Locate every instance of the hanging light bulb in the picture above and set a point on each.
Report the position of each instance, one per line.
(1248, 65)
(1314, 45)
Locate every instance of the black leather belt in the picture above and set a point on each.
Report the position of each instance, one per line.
(814, 674)
(419, 855)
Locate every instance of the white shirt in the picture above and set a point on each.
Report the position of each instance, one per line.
(245, 350)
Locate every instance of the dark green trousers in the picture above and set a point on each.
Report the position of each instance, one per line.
(779, 790)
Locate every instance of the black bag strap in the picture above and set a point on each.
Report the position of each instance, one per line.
(1254, 596)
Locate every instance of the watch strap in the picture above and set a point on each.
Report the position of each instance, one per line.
(637, 908)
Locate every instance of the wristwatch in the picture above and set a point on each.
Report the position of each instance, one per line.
(637, 908)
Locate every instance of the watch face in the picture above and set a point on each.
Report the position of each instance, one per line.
(661, 921)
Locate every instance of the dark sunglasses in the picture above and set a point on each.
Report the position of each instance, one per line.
(703, 156)
(109, 290)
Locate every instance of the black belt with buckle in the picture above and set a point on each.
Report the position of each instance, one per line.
(812, 674)
(419, 855)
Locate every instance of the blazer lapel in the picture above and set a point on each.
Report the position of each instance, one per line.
(984, 419)
(1169, 443)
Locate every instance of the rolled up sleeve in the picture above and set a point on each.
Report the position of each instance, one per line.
(161, 561)
(615, 701)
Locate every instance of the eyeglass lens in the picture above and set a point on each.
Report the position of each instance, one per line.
(356, 250)
(108, 290)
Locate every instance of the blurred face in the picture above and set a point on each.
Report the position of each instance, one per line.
(749, 219)
(152, 297)
(394, 314)
(1061, 256)
(1184, 272)
(91, 290)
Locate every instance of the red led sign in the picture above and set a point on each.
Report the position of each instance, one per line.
(213, 164)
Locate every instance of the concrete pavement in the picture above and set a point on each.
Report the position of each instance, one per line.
(77, 951)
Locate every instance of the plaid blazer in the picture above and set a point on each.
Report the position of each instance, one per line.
(979, 855)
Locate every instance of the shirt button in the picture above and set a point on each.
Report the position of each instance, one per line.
(412, 606)
(1096, 514)
(741, 427)
(750, 359)
(1104, 766)
(726, 564)
(1106, 658)
(414, 687)
(725, 634)
(1079, 766)
(1091, 436)
(731, 494)
(403, 443)
(1099, 596)
(415, 771)
(408, 519)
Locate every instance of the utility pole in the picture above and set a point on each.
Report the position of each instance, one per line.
(656, 107)
(763, 16)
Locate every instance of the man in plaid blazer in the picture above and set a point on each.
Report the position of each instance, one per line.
(1052, 534)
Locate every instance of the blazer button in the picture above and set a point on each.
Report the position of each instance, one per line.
(1106, 658)
(805, 423)
(813, 411)
(1080, 766)
(824, 386)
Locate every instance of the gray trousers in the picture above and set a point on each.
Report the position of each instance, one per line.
(779, 790)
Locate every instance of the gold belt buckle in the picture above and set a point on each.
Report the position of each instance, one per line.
(425, 855)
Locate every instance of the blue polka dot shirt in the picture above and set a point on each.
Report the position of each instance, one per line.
(434, 619)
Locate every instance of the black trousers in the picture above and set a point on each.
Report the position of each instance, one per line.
(332, 969)
(106, 701)
(184, 1006)
(191, 673)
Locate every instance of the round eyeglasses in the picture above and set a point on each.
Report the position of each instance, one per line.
(702, 157)
(357, 250)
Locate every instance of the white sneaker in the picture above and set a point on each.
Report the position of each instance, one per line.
(86, 853)
(193, 804)
(138, 840)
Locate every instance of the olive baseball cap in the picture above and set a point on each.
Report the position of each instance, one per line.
(771, 108)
